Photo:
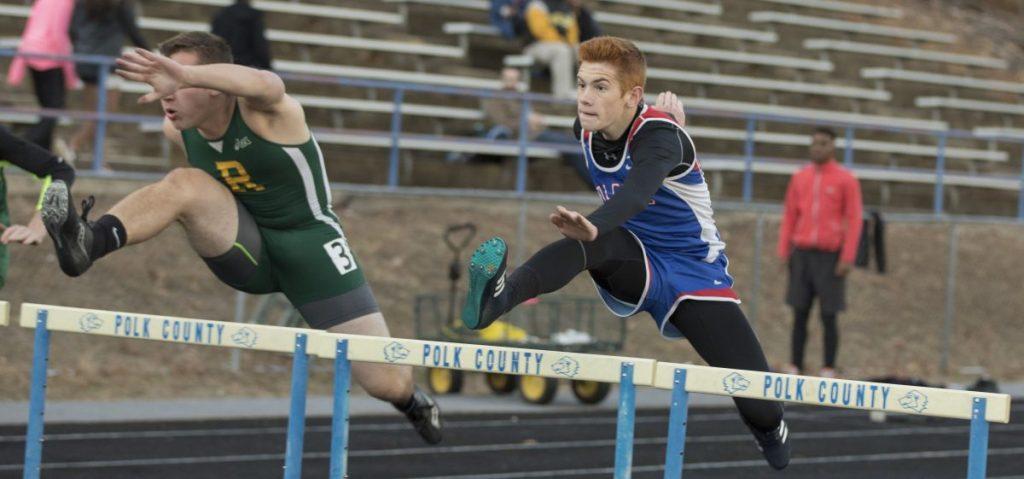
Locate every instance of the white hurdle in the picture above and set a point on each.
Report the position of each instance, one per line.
(44, 318)
(5, 311)
(627, 372)
(682, 379)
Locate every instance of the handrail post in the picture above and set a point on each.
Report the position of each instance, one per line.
(940, 172)
(98, 149)
(748, 161)
(521, 164)
(848, 151)
(396, 130)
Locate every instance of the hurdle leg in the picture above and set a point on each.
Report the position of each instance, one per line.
(977, 457)
(677, 427)
(625, 427)
(297, 414)
(339, 422)
(37, 399)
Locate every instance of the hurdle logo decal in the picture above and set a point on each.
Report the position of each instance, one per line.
(245, 337)
(914, 401)
(734, 383)
(89, 323)
(567, 367)
(394, 351)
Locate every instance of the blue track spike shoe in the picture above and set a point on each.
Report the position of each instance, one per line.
(775, 445)
(71, 234)
(425, 416)
(486, 281)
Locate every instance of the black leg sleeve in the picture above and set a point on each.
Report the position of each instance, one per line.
(722, 336)
(33, 158)
(831, 333)
(799, 337)
(555, 265)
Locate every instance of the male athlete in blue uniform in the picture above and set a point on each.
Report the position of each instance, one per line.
(652, 246)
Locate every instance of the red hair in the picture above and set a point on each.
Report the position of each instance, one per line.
(621, 54)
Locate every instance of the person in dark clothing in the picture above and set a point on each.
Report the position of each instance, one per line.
(589, 28)
(100, 27)
(33, 159)
(652, 246)
(242, 27)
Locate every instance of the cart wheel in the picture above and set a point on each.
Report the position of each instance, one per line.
(501, 383)
(590, 392)
(444, 381)
(538, 390)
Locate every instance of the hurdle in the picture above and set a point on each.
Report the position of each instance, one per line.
(625, 371)
(5, 311)
(682, 379)
(45, 318)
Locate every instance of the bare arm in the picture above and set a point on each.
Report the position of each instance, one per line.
(260, 89)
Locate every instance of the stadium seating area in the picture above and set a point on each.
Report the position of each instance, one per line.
(812, 60)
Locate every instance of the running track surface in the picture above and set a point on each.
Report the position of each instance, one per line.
(828, 443)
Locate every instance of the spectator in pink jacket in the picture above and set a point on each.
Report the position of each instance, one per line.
(46, 32)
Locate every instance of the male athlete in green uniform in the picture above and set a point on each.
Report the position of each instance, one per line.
(255, 205)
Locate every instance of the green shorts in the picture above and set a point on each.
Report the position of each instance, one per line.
(312, 265)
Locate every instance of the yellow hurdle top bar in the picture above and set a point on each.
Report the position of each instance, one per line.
(841, 393)
(506, 360)
(486, 358)
(5, 311)
(164, 328)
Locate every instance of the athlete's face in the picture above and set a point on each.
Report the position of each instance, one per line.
(823, 148)
(601, 102)
(188, 107)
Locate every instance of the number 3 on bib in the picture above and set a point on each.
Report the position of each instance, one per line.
(340, 253)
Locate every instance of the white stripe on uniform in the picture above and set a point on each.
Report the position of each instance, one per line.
(310, 186)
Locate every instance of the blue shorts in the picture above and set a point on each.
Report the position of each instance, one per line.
(672, 277)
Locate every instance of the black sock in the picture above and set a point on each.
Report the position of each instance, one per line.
(407, 405)
(108, 234)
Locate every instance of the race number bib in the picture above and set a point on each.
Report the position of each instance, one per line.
(341, 254)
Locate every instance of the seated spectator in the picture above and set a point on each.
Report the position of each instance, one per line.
(242, 27)
(555, 36)
(502, 116)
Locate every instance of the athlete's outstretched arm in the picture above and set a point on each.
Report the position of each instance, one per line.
(262, 89)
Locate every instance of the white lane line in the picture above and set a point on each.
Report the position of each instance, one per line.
(514, 447)
(738, 464)
(401, 426)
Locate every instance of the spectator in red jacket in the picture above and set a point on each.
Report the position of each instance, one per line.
(818, 239)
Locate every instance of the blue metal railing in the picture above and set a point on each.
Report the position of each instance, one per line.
(752, 120)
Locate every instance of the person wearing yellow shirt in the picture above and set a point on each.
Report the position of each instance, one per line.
(556, 36)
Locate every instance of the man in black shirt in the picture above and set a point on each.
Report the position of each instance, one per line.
(242, 27)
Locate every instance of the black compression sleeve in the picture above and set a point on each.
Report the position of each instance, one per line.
(30, 157)
(657, 152)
